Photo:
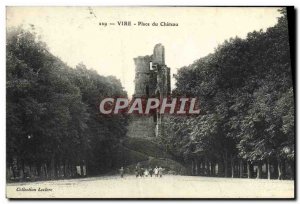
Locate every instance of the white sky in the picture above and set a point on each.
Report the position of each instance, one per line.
(74, 35)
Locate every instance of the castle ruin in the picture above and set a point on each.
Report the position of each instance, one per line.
(152, 79)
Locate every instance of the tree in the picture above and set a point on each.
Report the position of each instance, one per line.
(247, 104)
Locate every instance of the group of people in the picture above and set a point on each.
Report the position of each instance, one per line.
(141, 172)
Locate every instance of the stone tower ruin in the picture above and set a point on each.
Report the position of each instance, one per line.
(152, 79)
(152, 75)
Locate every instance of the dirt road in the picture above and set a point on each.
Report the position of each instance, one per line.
(166, 187)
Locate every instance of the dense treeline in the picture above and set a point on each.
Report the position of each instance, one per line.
(246, 128)
(54, 128)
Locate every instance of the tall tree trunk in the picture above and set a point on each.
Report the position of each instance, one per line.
(69, 172)
(269, 169)
(232, 167)
(86, 168)
(221, 168)
(13, 171)
(275, 169)
(292, 165)
(259, 170)
(56, 170)
(81, 170)
(241, 168)
(248, 170)
(279, 170)
(213, 169)
(200, 167)
(23, 170)
(192, 167)
(196, 167)
(53, 172)
(46, 171)
(65, 169)
(207, 168)
(38, 169)
(226, 165)
(283, 169)
(30, 171)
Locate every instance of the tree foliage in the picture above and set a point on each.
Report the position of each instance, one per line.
(52, 111)
(246, 93)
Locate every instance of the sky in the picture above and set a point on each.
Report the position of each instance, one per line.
(74, 35)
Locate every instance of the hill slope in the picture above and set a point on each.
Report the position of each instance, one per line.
(149, 154)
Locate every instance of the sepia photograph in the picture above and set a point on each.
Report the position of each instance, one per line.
(133, 102)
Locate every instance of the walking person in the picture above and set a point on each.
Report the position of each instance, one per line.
(150, 171)
(121, 172)
(156, 171)
(141, 172)
(160, 171)
(137, 170)
(146, 173)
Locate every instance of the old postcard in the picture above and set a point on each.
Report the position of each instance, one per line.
(150, 102)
